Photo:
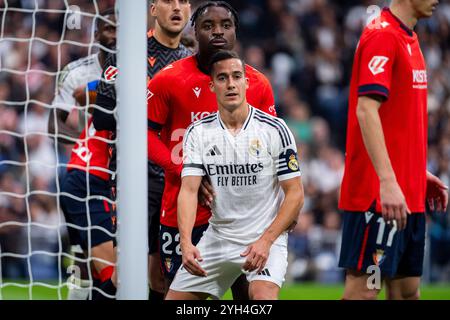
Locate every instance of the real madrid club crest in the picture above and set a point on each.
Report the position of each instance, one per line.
(255, 148)
(293, 163)
(378, 257)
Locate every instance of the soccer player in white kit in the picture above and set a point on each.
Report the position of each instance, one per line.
(251, 159)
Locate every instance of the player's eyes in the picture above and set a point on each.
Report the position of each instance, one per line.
(227, 25)
(207, 26)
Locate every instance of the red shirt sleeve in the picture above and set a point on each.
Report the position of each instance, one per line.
(158, 102)
(160, 154)
(267, 98)
(377, 57)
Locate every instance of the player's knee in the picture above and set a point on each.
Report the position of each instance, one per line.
(360, 294)
(263, 292)
(411, 295)
(264, 295)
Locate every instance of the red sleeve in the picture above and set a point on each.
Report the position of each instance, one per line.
(158, 102)
(160, 154)
(377, 57)
(267, 98)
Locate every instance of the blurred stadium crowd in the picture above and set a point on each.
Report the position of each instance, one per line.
(306, 49)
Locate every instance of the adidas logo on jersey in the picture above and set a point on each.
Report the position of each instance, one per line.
(214, 151)
(265, 272)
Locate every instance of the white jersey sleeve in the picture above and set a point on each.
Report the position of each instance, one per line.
(66, 86)
(192, 153)
(286, 161)
(75, 75)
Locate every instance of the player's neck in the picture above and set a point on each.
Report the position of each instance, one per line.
(167, 40)
(234, 120)
(404, 14)
(102, 57)
(203, 61)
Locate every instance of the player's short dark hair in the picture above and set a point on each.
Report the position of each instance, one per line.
(223, 55)
(202, 8)
(104, 13)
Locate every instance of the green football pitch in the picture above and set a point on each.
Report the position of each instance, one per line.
(302, 291)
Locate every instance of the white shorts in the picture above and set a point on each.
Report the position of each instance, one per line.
(223, 263)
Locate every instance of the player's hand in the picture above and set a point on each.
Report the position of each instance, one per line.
(437, 193)
(206, 192)
(80, 95)
(190, 257)
(257, 255)
(393, 203)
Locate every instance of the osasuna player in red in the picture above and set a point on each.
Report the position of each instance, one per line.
(86, 201)
(180, 95)
(386, 183)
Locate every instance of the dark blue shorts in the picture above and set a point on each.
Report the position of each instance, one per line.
(169, 247)
(368, 241)
(97, 212)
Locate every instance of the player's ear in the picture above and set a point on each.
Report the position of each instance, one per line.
(153, 9)
(246, 83)
(211, 86)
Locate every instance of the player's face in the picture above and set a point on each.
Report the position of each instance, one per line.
(215, 30)
(171, 15)
(106, 34)
(229, 83)
(424, 8)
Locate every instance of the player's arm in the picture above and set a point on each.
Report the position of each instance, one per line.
(187, 211)
(103, 115)
(64, 130)
(158, 152)
(158, 106)
(288, 172)
(61, 107)
(437, 193)
(192, 174)
(377, 58)
(258, 253)
(104, 120)
(393, 201)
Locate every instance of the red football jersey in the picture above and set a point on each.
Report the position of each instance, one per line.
(388, 62)
(92, 153)
(179, 95)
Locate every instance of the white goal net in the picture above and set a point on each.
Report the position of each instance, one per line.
(38, 40)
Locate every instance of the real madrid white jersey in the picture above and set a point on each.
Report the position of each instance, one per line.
(245, 171)
(76, 74)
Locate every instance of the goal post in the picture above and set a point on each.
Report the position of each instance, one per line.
(132, 151)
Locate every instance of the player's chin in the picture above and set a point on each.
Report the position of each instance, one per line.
(426, 14)
(218, 47)
(230, 104)
(176, 28)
